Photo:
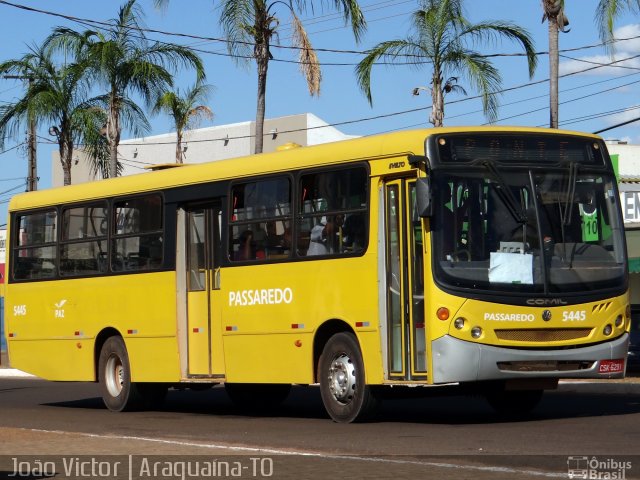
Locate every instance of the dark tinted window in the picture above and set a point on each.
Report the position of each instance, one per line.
(83, 248)
(34, 245)
(137, 242)
(260, 223)
(333, 206)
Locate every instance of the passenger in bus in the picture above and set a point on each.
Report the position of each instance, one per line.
(245, 248)
(323, 237)
(354, 232)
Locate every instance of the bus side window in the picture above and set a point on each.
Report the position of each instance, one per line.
(260, 215)
(138, 237)
(34, 250)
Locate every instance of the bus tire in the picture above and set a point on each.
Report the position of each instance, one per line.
(345, 395)
(513, 403)
(114, 375)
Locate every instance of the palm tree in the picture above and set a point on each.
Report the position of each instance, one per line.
(55, 95)
(185, 110)
(125, 62)
(251, 25)
(607, 12)
(553, 13)
(440, 38)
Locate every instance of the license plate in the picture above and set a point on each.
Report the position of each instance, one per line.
(611, 366)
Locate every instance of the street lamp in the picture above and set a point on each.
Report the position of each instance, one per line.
(416, 91)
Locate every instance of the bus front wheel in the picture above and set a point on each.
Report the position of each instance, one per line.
(344, 393)
(114, 375)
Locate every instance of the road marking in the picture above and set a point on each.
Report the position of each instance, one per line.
(311, 454)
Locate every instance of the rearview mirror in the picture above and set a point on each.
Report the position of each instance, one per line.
(423, 197)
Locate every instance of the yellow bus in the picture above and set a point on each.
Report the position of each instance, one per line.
(492, 259)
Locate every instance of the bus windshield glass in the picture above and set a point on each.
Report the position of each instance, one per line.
(524, 229)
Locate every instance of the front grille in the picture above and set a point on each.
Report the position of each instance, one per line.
(545, 366)
(543, 334)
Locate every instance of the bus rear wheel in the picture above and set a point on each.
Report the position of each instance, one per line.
(344, 393)
(114, 375)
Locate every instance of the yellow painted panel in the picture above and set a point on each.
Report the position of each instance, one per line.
(198, 333)
(69, 311)
(153, 359)
(494, 316)
(68, 360)
(269, 358)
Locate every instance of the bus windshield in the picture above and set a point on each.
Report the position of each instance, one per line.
(544, 231)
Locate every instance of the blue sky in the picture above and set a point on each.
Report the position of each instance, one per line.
(233, 100)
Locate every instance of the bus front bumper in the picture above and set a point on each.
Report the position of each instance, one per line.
(456, 360)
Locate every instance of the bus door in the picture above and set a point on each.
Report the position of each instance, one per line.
(404, 286)
(201, 267)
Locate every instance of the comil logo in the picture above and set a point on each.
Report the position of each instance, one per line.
(594, 468)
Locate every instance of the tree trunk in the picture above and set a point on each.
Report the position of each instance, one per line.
(113, 135)
(437, 98)
(262, 60)
(553, 70)
(65, 148)
(179, 152)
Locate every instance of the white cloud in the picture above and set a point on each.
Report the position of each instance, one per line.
(628, 31)
(622, 117)
(623, 49)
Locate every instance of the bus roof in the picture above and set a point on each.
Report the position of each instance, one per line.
(389, 144)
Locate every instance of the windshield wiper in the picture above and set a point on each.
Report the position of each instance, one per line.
(570, 194)
(506, 195)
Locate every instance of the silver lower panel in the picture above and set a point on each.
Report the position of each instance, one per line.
(455, 360)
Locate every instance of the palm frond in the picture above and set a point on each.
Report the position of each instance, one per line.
(491, 32)
(236, 19)
(607, 11)
(442, 35)
(389, 50)
(309, 63)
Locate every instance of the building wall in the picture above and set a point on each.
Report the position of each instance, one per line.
(629, 172)
(206, 145)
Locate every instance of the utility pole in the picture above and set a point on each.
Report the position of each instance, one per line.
(32, 168)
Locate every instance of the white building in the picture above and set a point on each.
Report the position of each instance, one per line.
(627, 157)
(206, 145)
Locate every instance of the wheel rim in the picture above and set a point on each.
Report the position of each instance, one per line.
(342, 379)
(114, 375)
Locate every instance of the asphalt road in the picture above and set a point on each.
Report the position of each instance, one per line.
(435, 437)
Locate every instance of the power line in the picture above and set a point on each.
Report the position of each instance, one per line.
(601, 64)
(97, 23)
(392, 114)
(22, 185)
(11, 179)
(593, 116)
(569, 101)
(545, 95)
(12, 148)
(617, 125)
